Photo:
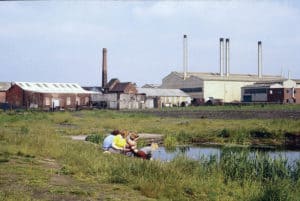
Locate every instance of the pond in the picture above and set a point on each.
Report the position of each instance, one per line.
(198, 152)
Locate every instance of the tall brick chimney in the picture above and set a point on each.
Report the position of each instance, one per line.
(104, 67)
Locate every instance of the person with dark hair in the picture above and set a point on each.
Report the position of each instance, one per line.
(107, 142)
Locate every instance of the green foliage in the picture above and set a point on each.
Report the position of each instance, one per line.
(95, 138)
(34, 149)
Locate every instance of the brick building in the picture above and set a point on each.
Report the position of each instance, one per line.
(280, 91)
(47, 95)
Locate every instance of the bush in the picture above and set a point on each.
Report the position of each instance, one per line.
(95, 138)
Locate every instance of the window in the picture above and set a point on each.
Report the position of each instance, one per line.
(256, 91)
(74, 85)
(47, 101)
(39, 85)
(78, 100)
(68, 100)
(45, 85)
(28, 84)
(68, 86)
(55, 85)
(86, 100)
(287, 91)
(62, 85)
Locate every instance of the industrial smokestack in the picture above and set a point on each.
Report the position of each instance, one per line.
(185, 56)
(221, 56)
(104, 67)
(227, 56)
(259, 49)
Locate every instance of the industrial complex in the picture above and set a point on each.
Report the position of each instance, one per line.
(177, 89)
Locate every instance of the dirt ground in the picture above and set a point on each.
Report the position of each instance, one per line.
(229, 114)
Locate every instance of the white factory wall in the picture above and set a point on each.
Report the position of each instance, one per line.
(228, 91)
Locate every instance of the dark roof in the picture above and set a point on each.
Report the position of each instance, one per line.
(95, 88)
(4, 86)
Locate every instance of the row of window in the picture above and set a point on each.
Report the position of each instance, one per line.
(190, 90)
(68, 100)
(264, 91)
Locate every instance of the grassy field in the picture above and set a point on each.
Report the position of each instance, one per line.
(38, 161)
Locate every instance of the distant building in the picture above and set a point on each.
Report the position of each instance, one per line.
(47, 95)
(280, 91)
(207, 86)
(118, 95)
(157, 98)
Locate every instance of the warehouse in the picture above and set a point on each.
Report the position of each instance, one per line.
(281, 91)
(207, 86)
(48, 95)
(158, 98)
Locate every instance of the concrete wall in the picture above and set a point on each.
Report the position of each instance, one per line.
(132, 101)
(228, 91)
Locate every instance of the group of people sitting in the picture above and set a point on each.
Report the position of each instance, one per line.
(125, 142)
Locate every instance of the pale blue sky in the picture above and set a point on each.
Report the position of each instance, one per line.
(52, 41)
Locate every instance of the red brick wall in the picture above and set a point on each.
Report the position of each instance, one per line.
(277, 95)
(17, 97)
(130, 89)
(297, 95)
(14, 96)
(2, 96)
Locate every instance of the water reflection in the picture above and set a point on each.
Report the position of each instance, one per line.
(201, 152)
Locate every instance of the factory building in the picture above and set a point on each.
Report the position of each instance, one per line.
(47, 95)
(158, 98)
(119, 95)
(281, 91)
(212, 86)
(115, 94)
(223, 86)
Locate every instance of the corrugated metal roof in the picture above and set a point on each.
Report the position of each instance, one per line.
(231, 77)
(4, 86)
(43, 87)
(162, 92)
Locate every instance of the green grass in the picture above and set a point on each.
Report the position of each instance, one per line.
(38, 161)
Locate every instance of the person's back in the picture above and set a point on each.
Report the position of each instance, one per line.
(107, 142)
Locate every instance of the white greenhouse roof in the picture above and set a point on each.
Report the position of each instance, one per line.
(162, 92)
(44, 87)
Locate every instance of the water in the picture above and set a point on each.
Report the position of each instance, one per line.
(199, 152)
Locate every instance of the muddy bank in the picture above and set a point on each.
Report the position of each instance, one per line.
(225, 114)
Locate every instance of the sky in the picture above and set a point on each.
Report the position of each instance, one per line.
(54, 41)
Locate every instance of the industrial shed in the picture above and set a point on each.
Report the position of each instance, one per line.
(280, 91)
(207, 86)
(157, 98)
(48, 95)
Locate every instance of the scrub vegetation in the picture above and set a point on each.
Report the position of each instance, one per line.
(39, 161)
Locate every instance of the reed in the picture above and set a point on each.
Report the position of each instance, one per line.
(27, 138)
